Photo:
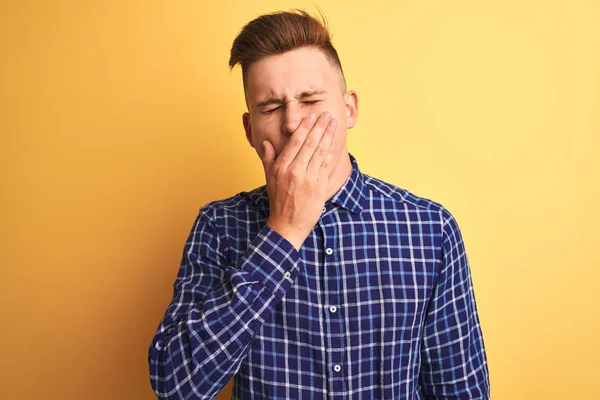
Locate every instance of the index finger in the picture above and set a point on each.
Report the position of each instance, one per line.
(293, 146)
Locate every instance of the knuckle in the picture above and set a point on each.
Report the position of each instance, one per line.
(310, 143)
(321, 152)
(295, 173)
(276, 172)
(277, 164)
(295, 142)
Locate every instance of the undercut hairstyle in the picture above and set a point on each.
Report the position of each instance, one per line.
(279, 32)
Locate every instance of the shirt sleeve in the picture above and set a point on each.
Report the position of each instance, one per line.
(454, 362)
(216, 310)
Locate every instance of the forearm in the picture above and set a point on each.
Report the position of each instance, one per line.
(200, 350)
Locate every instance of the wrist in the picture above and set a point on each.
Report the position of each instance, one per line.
(288, 233)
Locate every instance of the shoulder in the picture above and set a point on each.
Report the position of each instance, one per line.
(379, 189)
(402, 198)
(240, 205)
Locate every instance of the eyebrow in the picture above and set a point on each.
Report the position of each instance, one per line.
(277, 100)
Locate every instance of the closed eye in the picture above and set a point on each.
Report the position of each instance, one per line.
(308, 102)
(271, 110)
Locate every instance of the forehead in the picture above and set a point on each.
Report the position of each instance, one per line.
(294, 71)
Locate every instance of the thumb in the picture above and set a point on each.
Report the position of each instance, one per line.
(268, 156)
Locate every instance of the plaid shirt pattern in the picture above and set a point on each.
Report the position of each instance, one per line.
(377, 304)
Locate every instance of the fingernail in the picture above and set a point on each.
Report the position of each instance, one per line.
(334, 123)
(312, 118)
(327, 115)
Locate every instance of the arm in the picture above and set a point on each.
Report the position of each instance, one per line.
(216, 310)
(454, 362)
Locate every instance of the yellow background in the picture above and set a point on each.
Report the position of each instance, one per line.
(119, 119)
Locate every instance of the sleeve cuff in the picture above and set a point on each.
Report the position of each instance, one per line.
(272, 260)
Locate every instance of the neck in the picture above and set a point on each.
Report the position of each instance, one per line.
(339, 175)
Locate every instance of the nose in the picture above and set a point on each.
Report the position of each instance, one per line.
(292, 116)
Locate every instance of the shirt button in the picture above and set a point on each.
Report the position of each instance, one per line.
(324, 209)
(333, 308)
(287, 275)
(337, 368)
(329, 251)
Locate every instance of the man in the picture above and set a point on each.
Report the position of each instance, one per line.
(325, 282)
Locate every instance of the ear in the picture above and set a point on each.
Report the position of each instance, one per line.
(247, 127)
(351, 99)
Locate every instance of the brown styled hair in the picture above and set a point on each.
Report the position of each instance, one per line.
(279, 32)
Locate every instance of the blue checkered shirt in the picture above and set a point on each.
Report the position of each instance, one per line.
(377, 304)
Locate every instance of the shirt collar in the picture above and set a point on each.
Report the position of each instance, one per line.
(350, 196)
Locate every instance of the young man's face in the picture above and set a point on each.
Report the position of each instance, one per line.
(283, 89)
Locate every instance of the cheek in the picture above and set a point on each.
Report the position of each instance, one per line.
(338, 110)
(261, 129)
(268, 129)
(340, 138)
(266, 125)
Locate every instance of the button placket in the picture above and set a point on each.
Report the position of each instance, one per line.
(333, 316)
